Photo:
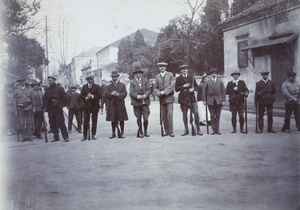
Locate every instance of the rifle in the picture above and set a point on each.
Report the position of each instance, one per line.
(246, 119)
(161, 126)
(206, 114)
(256, 120)
(191, 114)
(89, 113)
(44, 128)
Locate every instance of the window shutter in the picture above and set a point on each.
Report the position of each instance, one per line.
(242, 56)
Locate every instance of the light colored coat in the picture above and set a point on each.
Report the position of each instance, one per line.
(166, 84)
(214, 92)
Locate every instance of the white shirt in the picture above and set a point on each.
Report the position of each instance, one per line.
(163, 74)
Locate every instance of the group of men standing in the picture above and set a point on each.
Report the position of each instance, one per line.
(30, 102)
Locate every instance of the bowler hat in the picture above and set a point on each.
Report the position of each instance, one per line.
(52, 76)
(114, 74)
(264, 71)
(73, 87)
(291, 74)
(183, 67)
(22, 79)
(235, 72)
(162, 64)
(137, 70)
(213, 70)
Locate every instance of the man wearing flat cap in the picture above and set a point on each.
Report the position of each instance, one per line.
(90, 95)
(237, 91)
(214, 96)
(38, 112)
(164, 88)
(54, 101)
(23, 109)
(74, 106)
(139, 94)
(116, 109)
(186, 85)
(291, 93)
(264, 98)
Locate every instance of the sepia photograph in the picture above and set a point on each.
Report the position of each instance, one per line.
(150, 104)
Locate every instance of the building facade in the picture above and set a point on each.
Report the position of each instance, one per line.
(265, 36)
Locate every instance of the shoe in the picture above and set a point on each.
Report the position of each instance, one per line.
(23, 140)
(166, 134)
(298, 129)
(233, 131)
(54, 140)
(218, 132)
(286, 130)
(140, 136)
(199, 133)
(146, 134)
(69, 131)
(39, 137)
(67, 140)
(94, 137)
(202, 124)
(112, 136)
(121, 136)
(79, 131)
(171, 134)
(213, 133)
(259, 131)
(50, 131)
(84, 139)
(271, 131)
(185, 133)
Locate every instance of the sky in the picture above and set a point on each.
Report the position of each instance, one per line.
(85, 24)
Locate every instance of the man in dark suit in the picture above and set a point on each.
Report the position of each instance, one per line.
(264, 98)
(214, 96)
(186, 84)
(54, 100)
(237, 91)
(74, 105)
(139, 94)
(116, 109)
(164, 88)
(90, 94)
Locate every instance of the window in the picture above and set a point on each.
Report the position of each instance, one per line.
(242, 56)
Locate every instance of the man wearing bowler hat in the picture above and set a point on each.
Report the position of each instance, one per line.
(38, 112)
(23, 109)
(214, 96)
(116, 109)
(237, 91)
(291, 92)
(139, 94)
(186, 85)
(55, 99)
(264, 98)
(164, 88)
(90, 95)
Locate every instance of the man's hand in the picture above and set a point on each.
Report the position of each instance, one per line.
(191, 90)
(186, 85)
(223, 103)
(161, 93)
(204, 102)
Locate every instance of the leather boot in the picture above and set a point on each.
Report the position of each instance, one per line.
(233, 122)
(113, 128)
(146, 128)
(140, 131)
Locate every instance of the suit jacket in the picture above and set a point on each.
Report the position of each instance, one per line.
(185, 97)
(74, 100)
(136, 90)
(166, 84)
(214, 92)
(94, 103)
(116, 109)
(236, 96)
(265, 92)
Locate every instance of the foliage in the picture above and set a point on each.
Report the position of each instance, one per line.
(240, 5)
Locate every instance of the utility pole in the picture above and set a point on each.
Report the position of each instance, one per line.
(47, 64)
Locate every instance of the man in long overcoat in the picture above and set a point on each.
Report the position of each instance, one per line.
(139, 94)
(237, 91)
(164, 88)
(116, 109)
(90, 95)
(187, 84)
(214, 96)
(264, 98)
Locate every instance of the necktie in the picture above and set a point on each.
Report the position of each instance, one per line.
(90, 86)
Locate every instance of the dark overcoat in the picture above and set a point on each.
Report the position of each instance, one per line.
(95, 90)
(236, 96)
(116, 109)
(185, 97)
(265, 92)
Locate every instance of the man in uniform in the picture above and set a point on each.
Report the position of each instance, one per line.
(237, 91)
(164, 88)
(23, 109)
(54, 100)
(214, 96)
(264, 98)
(74, 105)
(116, 109)
(90, 94)
(139, 94)
(38, 113)
(291, 92)
(186, 84)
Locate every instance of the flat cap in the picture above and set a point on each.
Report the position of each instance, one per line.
(183, 67)
(52, 76)
(213, 70)
(137, 70)
(264, 71)
(291, 74)
(235, 72)
(162, 64)
(22, 79)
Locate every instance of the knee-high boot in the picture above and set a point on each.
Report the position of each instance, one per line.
(233, 122)
(140, 130)
(113, 128)
(146, 128)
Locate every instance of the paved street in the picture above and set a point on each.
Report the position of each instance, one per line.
(230, 171)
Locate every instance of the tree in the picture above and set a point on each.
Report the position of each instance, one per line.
(240, 5)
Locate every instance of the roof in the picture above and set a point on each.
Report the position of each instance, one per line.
(271, 41)
(90, 52)
(261, 9)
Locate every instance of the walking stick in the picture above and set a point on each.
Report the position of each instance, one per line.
(246, 118)
(160, 121)
(89, 113)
